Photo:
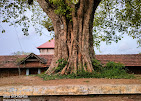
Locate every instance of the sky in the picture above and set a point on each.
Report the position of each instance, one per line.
(13, 40)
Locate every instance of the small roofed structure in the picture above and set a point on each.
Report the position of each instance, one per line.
(47, 48)
(24, 64)
(32, 61)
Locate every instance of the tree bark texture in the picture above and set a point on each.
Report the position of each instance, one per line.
(73, 39)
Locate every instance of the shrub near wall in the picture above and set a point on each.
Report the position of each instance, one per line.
(115, 70)
(111, 70)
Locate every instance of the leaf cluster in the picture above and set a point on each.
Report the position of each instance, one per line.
(20, 53)
(111, 70)
(12, 12)
(62, 8)
(113, 18)
(61, 64)
(48, 24)
(19, 13)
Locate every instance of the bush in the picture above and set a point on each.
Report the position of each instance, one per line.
(97, 65)
(113, 65)
(61, 65)
(84, 74)
(114, 70)
(111, 70)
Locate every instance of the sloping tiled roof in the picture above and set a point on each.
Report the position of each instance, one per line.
(41, 60)
(48, 44)
(12, 61)
(127, 60)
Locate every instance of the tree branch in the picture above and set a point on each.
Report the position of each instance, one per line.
(30, 2)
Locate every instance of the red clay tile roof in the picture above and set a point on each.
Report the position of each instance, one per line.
(32, 55)
(12, 61)
(48, 44)
(127, 60)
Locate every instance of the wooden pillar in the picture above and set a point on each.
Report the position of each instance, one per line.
(39, 71)
(19, 70)
(27, 71)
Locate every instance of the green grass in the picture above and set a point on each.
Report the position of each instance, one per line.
(107, 74)
(86, 81)
(111, 70)
(55, 76)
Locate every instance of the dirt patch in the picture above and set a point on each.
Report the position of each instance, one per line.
(34, 80)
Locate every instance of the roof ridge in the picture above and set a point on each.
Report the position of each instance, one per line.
(48, 44)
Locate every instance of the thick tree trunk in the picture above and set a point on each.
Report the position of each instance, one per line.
(73, 39)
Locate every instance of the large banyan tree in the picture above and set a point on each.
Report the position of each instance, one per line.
(72, 22)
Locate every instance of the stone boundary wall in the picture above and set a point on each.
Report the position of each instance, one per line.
(71, 89)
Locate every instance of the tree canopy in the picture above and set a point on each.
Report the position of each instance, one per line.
(20, 53)
(111, 17)
(118, 16)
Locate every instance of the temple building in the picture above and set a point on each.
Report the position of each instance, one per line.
(47, 48)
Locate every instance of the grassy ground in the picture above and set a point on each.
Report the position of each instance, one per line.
(138, 76)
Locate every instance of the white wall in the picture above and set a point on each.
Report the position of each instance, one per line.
(46, 51)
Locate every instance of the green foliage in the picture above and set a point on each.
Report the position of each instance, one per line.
(111, 17)
(47, 77)
(115, 70)
(97, 65)
(3, 31)
(20, 53)
(19, 60)
(61, 64)
(113, 65)
(56, 76)
(62, 8)
(111, 70)
(18, 13)
(48, 24)
(117, 16)
(74, 1)
(12, 12)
